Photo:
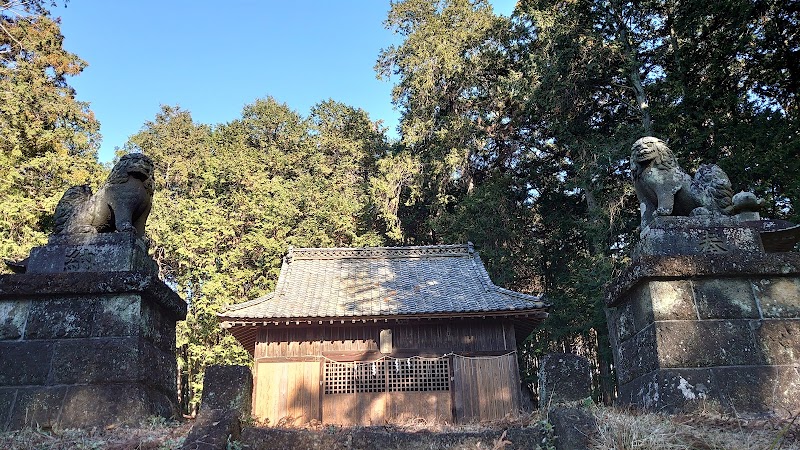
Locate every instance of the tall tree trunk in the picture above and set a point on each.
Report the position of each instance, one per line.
(635, 68)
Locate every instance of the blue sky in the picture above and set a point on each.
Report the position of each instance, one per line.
(213, 58)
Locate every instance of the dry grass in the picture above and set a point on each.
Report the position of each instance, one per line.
(627, 430)
(619, 430)
(157, 435)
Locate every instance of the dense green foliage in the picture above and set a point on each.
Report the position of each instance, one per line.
(47, 138)
(522, 128)
(231, 199)
(515, 135)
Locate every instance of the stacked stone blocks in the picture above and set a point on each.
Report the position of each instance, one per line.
(86, 347)
(721, 329)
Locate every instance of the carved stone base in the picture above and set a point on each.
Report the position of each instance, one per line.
(721, 329)
(107, 252)
(87, 348)
(715, 235)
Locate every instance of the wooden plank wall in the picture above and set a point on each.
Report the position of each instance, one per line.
(375, 408)
(363, 408)
(433, 406)
(454, 337)
(436, 337)
(312, 341)
(485, 388)
(287, 392)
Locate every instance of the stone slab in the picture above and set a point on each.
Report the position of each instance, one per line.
(157, 326)
(765, 389)
(117, 315)
(667, 300)
(636, 356)
(82, 361)
(669, 236)
(725, 298)
(8, 396)
(213, 429)
(60, 318)
(779, 297)
(574, 428)
(744, 390)
(13, 316)
(779, 341)
(112, 404)
(621, 322)
(30, 286)
(746, 265)
(37, 407)
(25, 363)
(564, 377)
(670, 390)
(228, 388)
(158, 368)
(706, 343)
(104, 252)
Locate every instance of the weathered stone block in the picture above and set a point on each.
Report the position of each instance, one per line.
(104, 252)
(758, 389)
(670, 300)
(8, 396)
(746, 265)
(667, 236)
(563, 378)
(706, 344)
(637, 356)
(725, 298)
(60, 318)
(780, 297)
(37, 407)
(670, 390)
(87, 335)
(779, 341)
(104, 404)
(213, 429)
(13, 314)
(24, 363)
(228, 387)
(158, 368)
(574, 428)
(621, 321)
(157, 326)
(117, 315)
(96, 360)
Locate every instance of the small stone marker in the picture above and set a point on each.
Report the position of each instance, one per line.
(227, 394)
(228, 387)
(564, 377)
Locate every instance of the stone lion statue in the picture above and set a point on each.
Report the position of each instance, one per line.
(122, 203)
(664, 189)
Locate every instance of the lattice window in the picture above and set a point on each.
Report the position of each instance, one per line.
(418, 374)
(350, 377)
(393, 375)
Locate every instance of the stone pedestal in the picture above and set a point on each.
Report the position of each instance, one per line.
(87, 336)
(719, 327)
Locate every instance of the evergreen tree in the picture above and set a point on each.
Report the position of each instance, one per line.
(48, 139)
(230, 200)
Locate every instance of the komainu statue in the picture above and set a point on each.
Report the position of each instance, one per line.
(122, 203)
(664, 189)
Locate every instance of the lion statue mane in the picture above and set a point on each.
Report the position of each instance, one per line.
(664, 189)
(122, 203)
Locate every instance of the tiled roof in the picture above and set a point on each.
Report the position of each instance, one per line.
(381, 282)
